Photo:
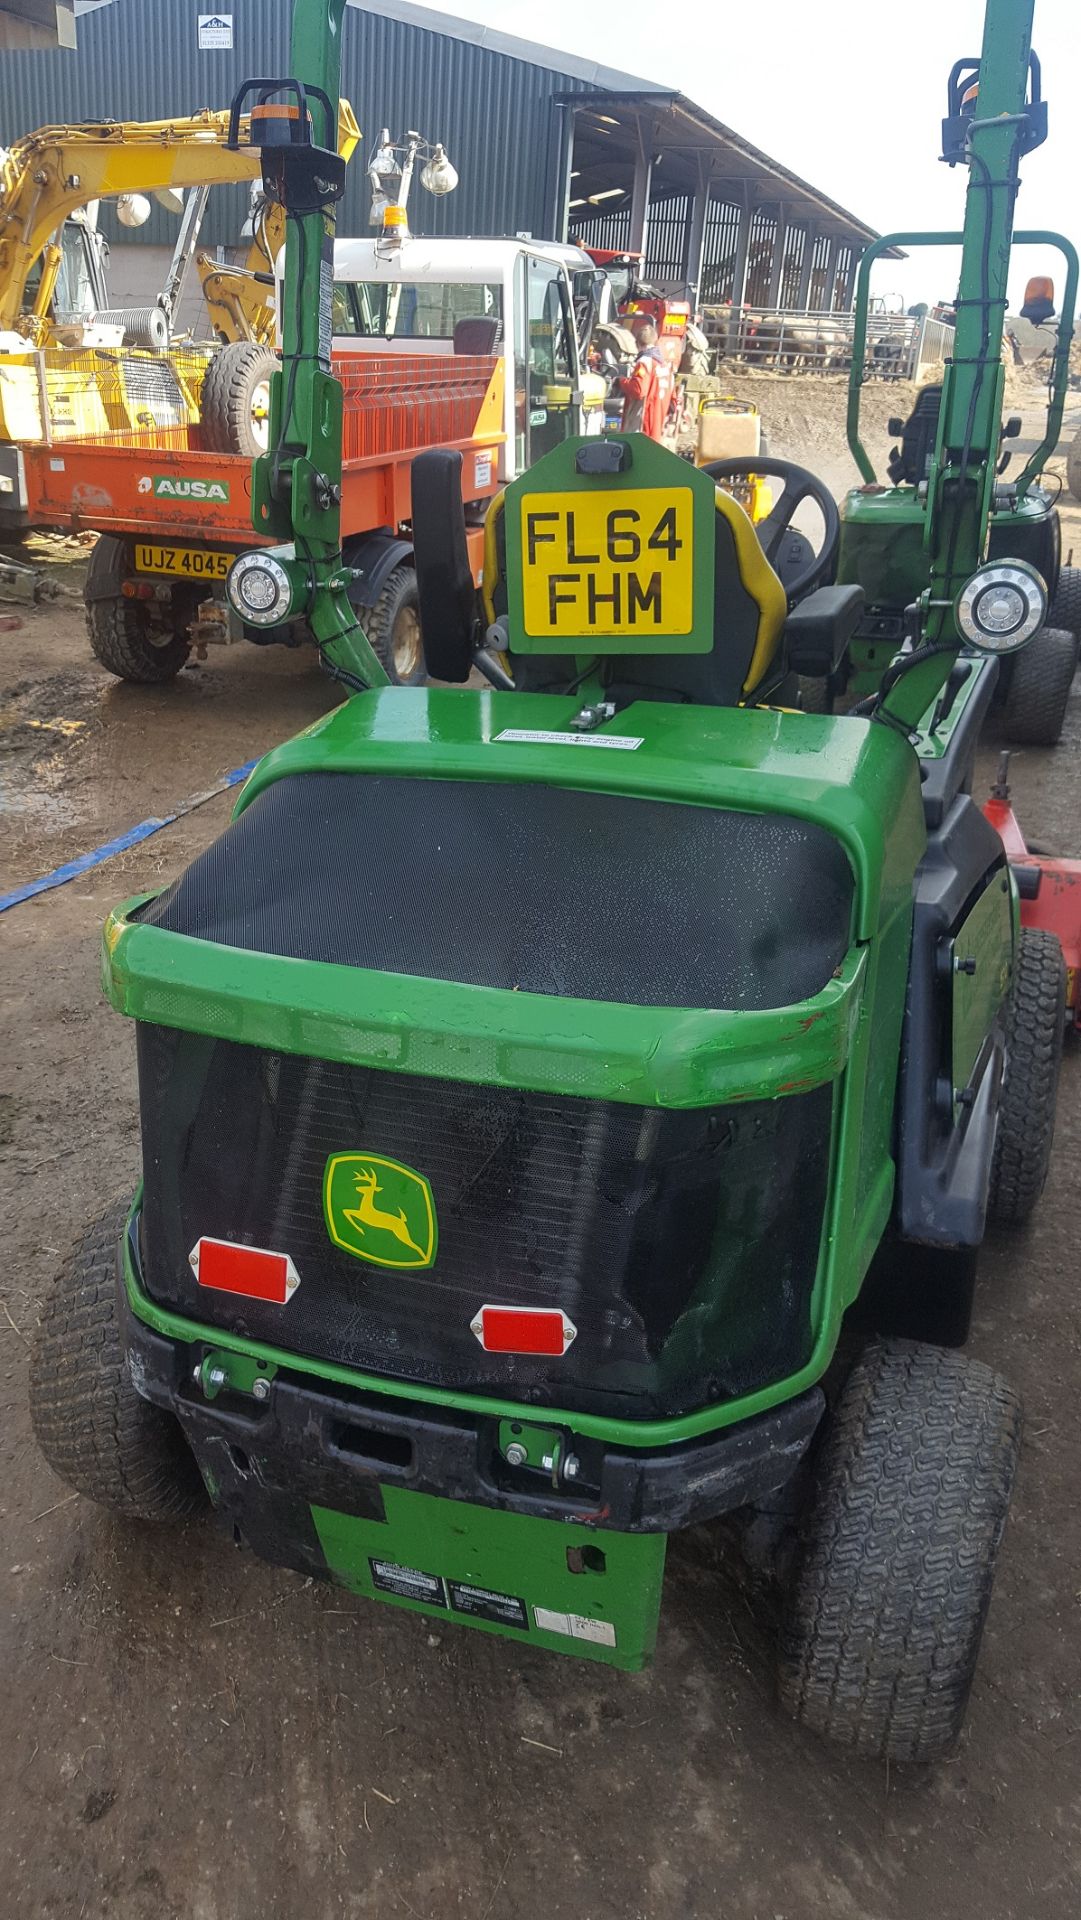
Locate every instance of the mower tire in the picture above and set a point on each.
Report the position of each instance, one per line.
(1066, 605)
(234, 414)
(1041, 676)
(120, 632)
(893, 1574)
(88, 1420)
(393, 629)
(1035, 1025)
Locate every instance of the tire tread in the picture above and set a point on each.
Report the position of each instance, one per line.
(1035, 1025)
(89, 1422)
(891, 1590)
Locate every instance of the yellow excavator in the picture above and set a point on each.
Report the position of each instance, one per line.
(240, 298)
(66, 373)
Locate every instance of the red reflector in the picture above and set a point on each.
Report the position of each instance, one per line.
(524, 1330)
(251, 1271)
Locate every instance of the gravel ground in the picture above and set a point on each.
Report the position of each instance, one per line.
(186, 1734)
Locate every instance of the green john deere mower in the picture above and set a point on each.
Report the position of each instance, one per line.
(951, 460)
(571, 1106)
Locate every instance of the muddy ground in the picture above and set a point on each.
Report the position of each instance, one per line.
(188, 1735)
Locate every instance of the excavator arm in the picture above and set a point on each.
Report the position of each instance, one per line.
(240, 298)
(47, 175)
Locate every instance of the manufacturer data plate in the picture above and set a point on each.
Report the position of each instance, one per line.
(484, 1604)
(624, 742)
(409, 1583)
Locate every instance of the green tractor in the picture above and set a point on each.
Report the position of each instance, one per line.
(898, 541)
(572, 1105)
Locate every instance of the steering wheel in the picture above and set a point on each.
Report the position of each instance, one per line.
(798, 485)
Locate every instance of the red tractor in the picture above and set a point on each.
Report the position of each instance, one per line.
(670, 317)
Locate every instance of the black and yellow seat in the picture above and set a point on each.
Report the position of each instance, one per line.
(750, 606)
(754, 624)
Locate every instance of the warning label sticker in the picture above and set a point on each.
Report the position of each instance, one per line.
(483, 1604)
(408, 1582)
(577, 1626)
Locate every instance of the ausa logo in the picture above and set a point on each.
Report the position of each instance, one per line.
(166, 486)
(379, 1210)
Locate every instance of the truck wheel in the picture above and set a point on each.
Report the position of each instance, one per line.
(1041, 676)
(120, 631)
(235, 408)
(393, 629)
(1035, 1023)
(894, 1570)
(1066, 605)
(1073, 466)
(88, 1420)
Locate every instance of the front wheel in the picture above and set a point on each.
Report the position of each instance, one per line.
(393, 629)
(91, 1425)
(893, 1576)
(1041, 676)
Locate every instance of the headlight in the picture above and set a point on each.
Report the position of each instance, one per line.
(259, 590)
(1001, 607)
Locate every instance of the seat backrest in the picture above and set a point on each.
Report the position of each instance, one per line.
(478, 333)
(750, 605)
(911, 460)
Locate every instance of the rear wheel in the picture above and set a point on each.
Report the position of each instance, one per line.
(1066, 605)
(121, 632)
(235, 408)
(393, 628)
(1035, 1024)
(1041, 676)
(88, 1420)
(893, 1576)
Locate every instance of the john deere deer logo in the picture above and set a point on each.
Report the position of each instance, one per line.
(379, 1210)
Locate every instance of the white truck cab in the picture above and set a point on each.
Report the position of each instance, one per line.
(533, 304)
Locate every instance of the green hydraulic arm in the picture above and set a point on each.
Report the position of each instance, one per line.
(988, 133)
(296, 485)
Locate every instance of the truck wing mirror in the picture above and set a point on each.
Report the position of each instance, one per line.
(449, 624)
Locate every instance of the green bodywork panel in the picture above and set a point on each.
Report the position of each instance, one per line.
(648, 1056)
(982, 956)
(883, 550)
(857, 780)
(480, 1567)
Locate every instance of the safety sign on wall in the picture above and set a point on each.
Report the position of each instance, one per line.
(215, 30)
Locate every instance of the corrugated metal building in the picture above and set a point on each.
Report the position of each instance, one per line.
(521, 123)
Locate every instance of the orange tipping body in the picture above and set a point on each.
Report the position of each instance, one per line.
(168, 486)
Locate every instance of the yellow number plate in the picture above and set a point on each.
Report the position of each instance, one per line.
(187, 563)
(612, 562)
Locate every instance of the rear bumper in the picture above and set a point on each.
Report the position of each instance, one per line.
(340, 1448)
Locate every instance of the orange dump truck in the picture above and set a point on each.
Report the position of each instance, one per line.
(478, 345)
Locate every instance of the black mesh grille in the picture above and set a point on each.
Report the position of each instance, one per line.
(543, 889)
(683, 1245)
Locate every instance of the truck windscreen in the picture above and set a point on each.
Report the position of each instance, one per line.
(458, 311)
